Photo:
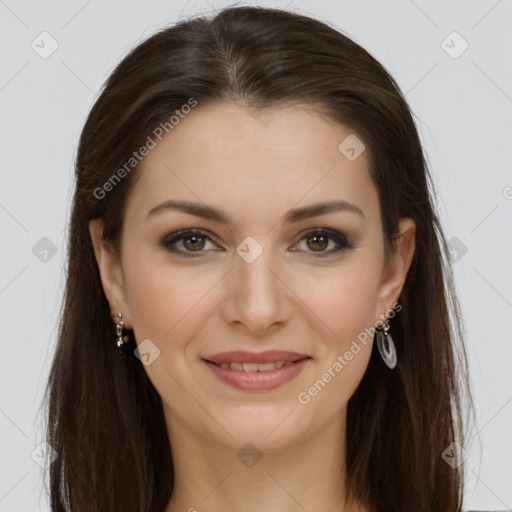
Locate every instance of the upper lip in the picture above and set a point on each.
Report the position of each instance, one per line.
(269, 356)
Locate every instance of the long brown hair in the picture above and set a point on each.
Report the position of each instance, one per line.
(105, 418)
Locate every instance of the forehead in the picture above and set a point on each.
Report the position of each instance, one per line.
(227, 157)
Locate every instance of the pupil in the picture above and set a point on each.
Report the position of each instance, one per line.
(194, 238)
(321, 238)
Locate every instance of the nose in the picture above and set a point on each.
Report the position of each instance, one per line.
(256, 295)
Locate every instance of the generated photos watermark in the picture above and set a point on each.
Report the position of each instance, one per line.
(305, 397)
(137, 156)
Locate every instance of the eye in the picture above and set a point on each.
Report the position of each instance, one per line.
(318, 241)
(194, 241)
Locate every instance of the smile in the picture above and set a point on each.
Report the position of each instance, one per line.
(255, 367)
(257, 377)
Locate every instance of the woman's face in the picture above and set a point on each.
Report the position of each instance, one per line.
(254, 277)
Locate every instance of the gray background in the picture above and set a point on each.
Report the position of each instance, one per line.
(463, 105)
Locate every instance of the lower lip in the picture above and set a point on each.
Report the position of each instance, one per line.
(257, 381)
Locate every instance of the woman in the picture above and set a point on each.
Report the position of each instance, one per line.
(259, 313)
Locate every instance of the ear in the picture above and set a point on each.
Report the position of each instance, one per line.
(396, 268)
(110, 271)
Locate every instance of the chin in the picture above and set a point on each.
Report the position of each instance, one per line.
(265, 428)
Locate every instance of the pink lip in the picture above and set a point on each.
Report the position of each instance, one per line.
(269, 356)
(258, 381)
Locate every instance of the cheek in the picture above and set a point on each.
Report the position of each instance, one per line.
(344, 302)
(346, 306)
(165, 302)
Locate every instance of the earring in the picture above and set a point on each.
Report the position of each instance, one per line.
(386, 346)
(121, 340)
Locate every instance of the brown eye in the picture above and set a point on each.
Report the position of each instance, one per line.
(192, 241)
(318, 241)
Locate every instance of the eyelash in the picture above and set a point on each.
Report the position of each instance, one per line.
(338, 238)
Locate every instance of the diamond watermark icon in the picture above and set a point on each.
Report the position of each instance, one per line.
(147, 352)
(249, 455)
(351, 147)
(454, 45)
(249, 249)
(44, 249)
(454, 455)
(457, 249)
(45, 45)
(44, 455)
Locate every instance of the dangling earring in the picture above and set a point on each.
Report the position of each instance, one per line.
(120, 340)
(386, 346)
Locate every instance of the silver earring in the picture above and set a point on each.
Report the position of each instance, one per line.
(120, 340)
(386, 346)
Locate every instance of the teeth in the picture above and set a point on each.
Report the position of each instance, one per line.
(261, 367)
(255, 367)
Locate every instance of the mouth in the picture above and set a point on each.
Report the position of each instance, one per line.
(245, 357)
(256, 372)
(256, 367)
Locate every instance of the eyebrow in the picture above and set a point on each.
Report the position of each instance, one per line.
(293, 216)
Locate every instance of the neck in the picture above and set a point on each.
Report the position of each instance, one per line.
(308, 474)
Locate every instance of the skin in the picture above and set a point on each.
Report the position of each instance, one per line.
(255, 168)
